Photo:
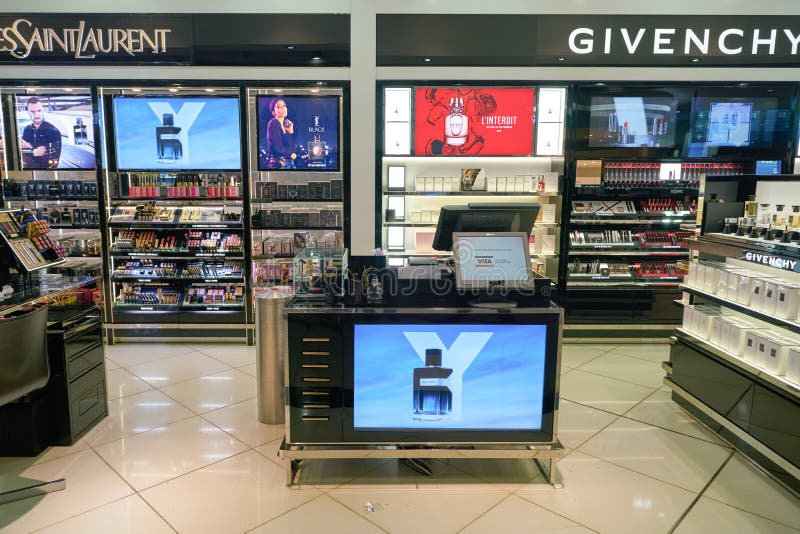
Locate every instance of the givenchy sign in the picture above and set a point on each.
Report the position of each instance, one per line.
(686, 41)
(773, 261)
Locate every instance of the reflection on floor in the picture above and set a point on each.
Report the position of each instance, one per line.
(182, 451)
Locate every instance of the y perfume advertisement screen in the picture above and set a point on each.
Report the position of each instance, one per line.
(461, 121)
(177, 133)
(448, 377)
(298, 133)
(55, 132)
(632, 121)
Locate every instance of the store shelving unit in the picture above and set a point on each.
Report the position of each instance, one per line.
(176, 259)
(65, 197)
(749, 405)
(627, 228)
(302, 202)
(412, 188)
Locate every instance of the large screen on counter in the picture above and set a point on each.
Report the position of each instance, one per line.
(754, 122)
(478, 121)
(448, 377)
(298, 133)
(168, 133)
(632, 121)
(55, 131)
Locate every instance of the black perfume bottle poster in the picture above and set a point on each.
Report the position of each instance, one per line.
(298, 132)
(474, 377)
(55, 131)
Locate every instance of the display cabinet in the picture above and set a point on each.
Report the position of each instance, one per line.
(457, 144)
(735, 361)
(176, 262)
(644, 154)
(48, 167)
(298, 183)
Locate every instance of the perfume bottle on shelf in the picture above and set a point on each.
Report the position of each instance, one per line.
(79, 132)
(456, 124)
(168, 145)
(433, 399)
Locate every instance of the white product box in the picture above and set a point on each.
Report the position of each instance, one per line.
(776, 357)
(548, 213)
(691, 275)
(455, 183)
(491, 184)
(416, 216)
(736, 338)
(702, 322)
(717, 330)
(763, 339)
(501, 184)
(688, 318)
(551, 182)
(720, 287)
(793, 365)
(430, 183)
(419, 183)
(757, 286)
(770, 298)
(787, 302)
(438, 184)
(732, 288)
(743, 296)
(750, 350)
(548, 244)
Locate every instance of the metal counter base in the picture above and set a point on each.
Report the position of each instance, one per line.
(293, 454)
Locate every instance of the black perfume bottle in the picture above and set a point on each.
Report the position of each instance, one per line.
(79, 132)
(168, 145)
(433, 399)
(316, 149)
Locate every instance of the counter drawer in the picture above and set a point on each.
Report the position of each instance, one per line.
(82, 337)
(87, 381)
(82, 362)
(86, 407)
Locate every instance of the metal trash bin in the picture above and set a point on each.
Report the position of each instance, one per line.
(272, 347)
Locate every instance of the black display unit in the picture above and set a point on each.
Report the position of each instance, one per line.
(335, 395)
(175, 227)
(643, 155)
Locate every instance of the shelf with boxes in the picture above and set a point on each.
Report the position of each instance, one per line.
(411, 204)
(736, 357)
(448, 144)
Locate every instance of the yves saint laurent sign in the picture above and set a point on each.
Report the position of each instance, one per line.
(175, 39)
(95, 38)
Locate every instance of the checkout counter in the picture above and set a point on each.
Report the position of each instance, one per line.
(459, 358)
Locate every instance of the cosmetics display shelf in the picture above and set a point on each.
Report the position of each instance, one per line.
(175, 254)
(75, 227)
(433, 225)
(444, 255)
(190, 279)
(653, 251)
(470, 194)
(295, 200)
(49, 199)
(296, 227)
(637, 220)
(792, 326)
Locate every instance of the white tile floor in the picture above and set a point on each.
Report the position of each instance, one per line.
(182, 451)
